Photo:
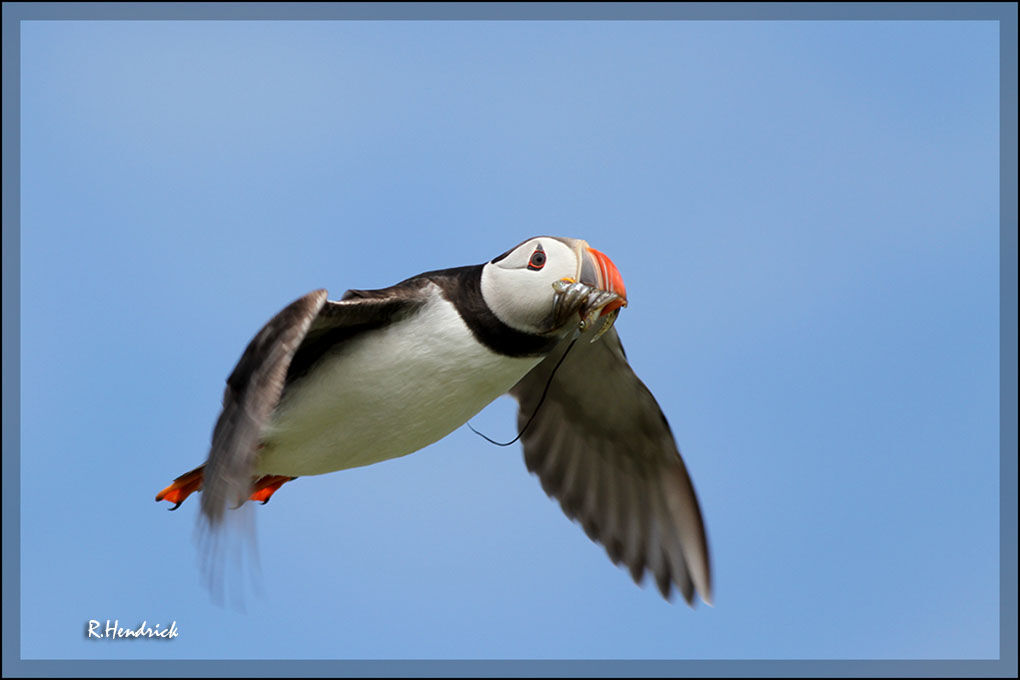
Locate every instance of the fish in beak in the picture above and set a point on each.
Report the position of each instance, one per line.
(596, 294)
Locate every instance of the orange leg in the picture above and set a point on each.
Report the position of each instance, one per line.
(190, 482)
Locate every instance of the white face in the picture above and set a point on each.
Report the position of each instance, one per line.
(518, 286)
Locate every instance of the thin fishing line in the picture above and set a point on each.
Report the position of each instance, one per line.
(535, 413)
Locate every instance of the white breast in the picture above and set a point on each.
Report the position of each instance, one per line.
(387, 393)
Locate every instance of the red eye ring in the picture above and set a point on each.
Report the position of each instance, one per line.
(537, 260)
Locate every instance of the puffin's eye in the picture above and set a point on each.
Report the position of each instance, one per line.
(537, 260)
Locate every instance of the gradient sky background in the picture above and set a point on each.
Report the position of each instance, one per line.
(806, 218)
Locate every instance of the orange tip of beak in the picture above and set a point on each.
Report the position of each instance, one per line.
(611, 280)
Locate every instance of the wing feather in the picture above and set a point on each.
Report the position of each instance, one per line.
(279, 354)
(601, 445)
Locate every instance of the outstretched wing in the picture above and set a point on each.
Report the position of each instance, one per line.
(282, 352)
(601, 445)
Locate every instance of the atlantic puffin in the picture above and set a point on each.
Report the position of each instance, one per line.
(328, 385)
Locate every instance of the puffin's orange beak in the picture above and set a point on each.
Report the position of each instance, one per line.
(598, 270)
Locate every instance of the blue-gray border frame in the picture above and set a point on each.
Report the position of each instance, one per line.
(1005, 13)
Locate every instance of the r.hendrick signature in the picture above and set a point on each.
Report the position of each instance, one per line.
(113, 631)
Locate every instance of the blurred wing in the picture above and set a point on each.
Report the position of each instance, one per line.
(601, 445)
(282, 352)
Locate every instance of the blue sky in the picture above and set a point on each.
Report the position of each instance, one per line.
(806, 218)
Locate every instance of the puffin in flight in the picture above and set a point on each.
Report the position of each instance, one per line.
(329, 385)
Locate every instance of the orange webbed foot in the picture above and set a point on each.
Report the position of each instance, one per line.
(185, 485)
(266, 486)
(182, 487)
